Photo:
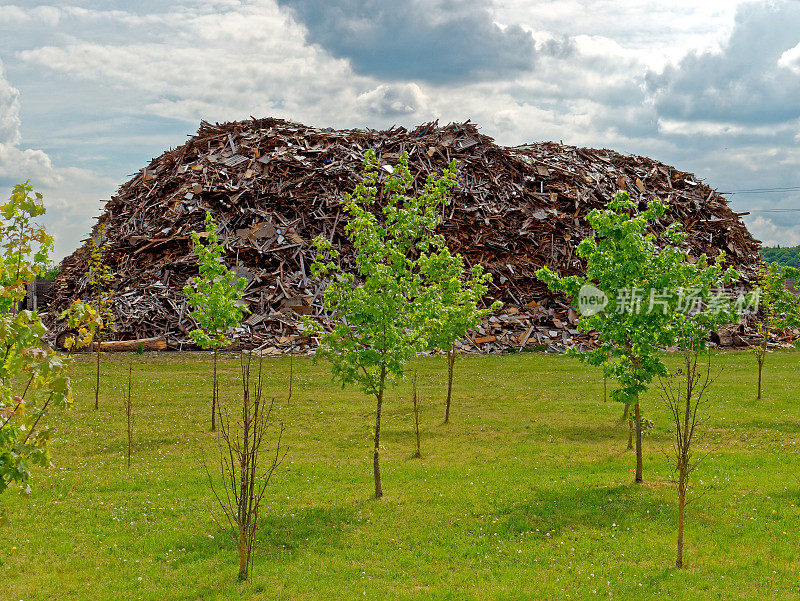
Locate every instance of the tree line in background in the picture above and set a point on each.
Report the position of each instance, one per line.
(404, 293)
(788, 256)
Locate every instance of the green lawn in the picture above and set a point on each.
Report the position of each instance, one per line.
(527, 494)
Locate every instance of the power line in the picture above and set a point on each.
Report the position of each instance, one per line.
(763, 190)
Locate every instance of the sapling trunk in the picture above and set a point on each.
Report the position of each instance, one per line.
(681, 509)
(129, 411)
(761, 355)
(638, 419)
(291, 370)
(685, 433)
(760, 367)
(418, 455)
(683, 459)
(246, 483)
(630, 434)
(683, 474)
(626, 419)
(214, 393)
(243, 556)
(97, 380)
(451, 361)
(376, 462)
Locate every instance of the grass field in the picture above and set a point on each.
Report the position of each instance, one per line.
(527, 494)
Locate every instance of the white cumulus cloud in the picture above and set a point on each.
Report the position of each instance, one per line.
(71, 194)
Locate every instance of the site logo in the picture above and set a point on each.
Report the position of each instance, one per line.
(591, 300)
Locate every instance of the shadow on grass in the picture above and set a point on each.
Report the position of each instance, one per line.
(313, 526)
(121, 447)
(784, 427)
(395, 432)
(599, 431)
(278, 535)
(790, 493)
(406, 437)
(601, 508)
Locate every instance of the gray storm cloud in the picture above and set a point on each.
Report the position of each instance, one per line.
(745, 82)
(425, 40)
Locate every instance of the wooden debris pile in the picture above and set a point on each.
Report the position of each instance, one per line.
(272, 186)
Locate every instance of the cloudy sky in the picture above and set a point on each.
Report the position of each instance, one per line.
(91, 90)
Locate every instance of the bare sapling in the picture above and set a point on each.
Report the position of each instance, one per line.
(244, 475)
(684, 393)
(415, 400)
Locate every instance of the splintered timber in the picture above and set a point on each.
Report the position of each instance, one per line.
(273, 185)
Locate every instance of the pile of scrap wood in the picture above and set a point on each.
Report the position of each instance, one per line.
(272, 186)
